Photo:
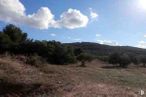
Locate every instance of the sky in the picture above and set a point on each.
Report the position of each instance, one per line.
(111, 22)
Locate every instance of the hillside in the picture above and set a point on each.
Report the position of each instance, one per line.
(104, 50)
(21, 80)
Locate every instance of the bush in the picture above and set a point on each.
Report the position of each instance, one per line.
(35, 60)
(114, 59)
(83, 58)
(135, 60)
(61, 54)
(143, 60)
(124, 61)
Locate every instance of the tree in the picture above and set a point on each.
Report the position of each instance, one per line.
(114, 59)
(78, 51)
(5, 42)
(124, 61)
(83, 58)
(70, 56)
(143, 60)
(15, 34)
(135, 60)
(63, 54)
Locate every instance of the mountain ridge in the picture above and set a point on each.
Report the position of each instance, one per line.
(104, 50)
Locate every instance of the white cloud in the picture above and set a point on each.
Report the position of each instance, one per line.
(108, 42)
(10, 11)
(141, 44)
(52, 34)
(13, 11)
(72, 19)
(98, 35)
(93, 14)
(145, 36)
(42, 19)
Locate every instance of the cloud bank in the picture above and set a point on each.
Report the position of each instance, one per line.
(141, 44)
(108, 42)
(11, 12)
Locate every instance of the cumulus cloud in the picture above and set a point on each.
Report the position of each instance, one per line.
(15, 13)
(10, 11)
(141, 44)
(108, 42)
(43, 19)
(72, 19)
(93, 14)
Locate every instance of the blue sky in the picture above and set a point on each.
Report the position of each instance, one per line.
(116, 22)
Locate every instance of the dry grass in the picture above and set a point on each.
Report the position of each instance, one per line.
(22, 80)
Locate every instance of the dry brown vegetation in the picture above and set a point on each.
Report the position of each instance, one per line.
(18, 79)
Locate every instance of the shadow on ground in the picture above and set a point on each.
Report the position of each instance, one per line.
(24, 90)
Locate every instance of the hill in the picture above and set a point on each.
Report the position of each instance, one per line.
(104, 50)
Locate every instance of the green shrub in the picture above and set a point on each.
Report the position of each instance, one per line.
(124, 61)
(83, 58)
(143, 60)
(35, 60)
(114, 59)
(135, 60)
(121, 60)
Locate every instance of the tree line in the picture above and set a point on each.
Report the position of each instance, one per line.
(14, 41)
(124, 59)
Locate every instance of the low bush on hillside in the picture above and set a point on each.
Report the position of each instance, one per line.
(83, 58)
(143, 60)
(35, 60)
(124, 60)
(121, 60)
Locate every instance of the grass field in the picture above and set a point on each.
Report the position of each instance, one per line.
(96, 80)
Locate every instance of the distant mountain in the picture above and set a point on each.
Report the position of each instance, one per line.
(104, 50)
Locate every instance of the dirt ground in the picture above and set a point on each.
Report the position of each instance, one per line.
(97, 79)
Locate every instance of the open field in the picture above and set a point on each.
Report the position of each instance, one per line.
(21, 80)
